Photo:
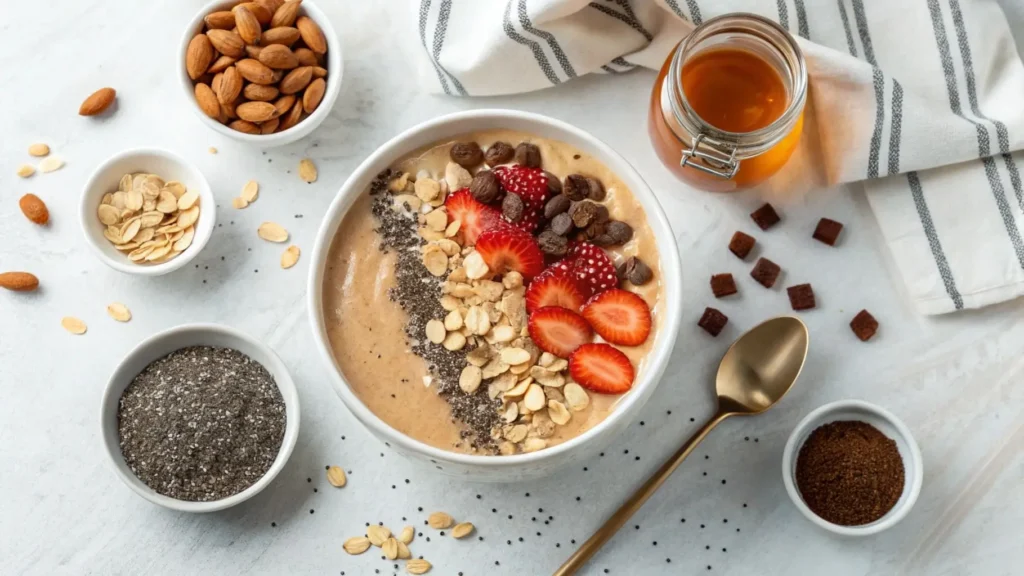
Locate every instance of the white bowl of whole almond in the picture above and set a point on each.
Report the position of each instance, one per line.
(265, 72)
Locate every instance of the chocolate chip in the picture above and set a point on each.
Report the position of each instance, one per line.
(603, 240)
(467, 154)
(596, 192)
(576, 187)
(528, 155)
(556, 205)
(485, 187)
(554, 184)
(602, 214)
(619, 231)
(512, 207)
(561, 224)
(551, 243)
(583, 213)
(637, 272)
(595, 230)
(499, 153)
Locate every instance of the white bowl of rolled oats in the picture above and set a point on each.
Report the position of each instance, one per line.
(147, 212)
(437, 300)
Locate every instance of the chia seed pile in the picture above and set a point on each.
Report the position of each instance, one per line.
(419, 294)
(201, 423)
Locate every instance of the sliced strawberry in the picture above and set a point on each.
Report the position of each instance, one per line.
(559, 331)
(601, 368)
(505, 249)
(554, 287)
(476, 218)
(531, 185)
(593, 268)
(619, 316)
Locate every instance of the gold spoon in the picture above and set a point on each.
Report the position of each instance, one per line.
(755, 373)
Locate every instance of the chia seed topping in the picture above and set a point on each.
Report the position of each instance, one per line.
(201, 423)
(419, 293)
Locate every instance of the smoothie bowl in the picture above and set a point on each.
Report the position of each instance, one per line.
(496, 293)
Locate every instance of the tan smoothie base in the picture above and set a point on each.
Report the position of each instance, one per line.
(367, 330)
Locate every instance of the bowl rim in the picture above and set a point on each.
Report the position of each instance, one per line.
(910, 489)
(335, 70)
(671, 269)
(87, 212)
(282, 378)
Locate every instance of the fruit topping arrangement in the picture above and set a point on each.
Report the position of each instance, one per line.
(531, 292)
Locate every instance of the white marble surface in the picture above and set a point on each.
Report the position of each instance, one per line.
(954, 380)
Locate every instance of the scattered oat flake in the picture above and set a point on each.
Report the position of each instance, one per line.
(307, 170)
(119, 312)
(73, 325)
(38, 150)
(250, 191)
(50, 164)
(26, 170)
(239, 203)
(336, 476)
(272, 232)
(290, 257)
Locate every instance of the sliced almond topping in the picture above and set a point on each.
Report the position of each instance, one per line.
(534, 398)
(406, 535)
(185, 240)
(454, 341)
(398, 184)
(462, 530)
(514, 356)
(558, 413)
(435, 261)
(272, 232)
(336, 476)
(495, 367)
(475, 266)
(377, 534)
(177, 189)
(534, 444)
(511, 413)
(108, 214)
(130, 229)
(427, 189)
(119, 312)
(239, 203)
(470, 379)
(575, 396)
(356, 545)
(453, 228)
(517, 433)
(188, 217)
(307, 171)
(453, 321)
(290, 257)
(73, 325)
(435, 331)
(437, 221)
(166, 202)
(250, 191)
(440, 520)
(186, 201)
(519, 389)
(456, 176)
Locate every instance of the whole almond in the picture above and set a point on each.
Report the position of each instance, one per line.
(319, 72)
(256, 112)
(34, 209)
(244, 126)
(220, 64)
(292, 117)
(313, 95)
(98, 101)
(284, 104)
(221, 20)
(253, 51)
(228, 110)
(278, 56)
(207, 101)
(19, 281)
(261, 12)
(248, 26)
(276, 75)
(286, 35)
(306, 56)
(271, 5)
(198, 56)
(215, 82)
(296, 80)
(260, 92)
(254, 71)
(311, 34)
(230, 86)
(286, 14)
(270, 126)
(227, 42)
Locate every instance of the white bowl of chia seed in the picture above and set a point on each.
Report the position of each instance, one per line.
(199, 418)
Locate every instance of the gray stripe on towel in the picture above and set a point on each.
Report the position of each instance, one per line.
(424, 14)
(846, 26)
(527, 24)
(801, 19)
(933, 240)
(895, 129)
(624, 18)
(879, 84)
(783, 13)
(439, 32)
(538, 52)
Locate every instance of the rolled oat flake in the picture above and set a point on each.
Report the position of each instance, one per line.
(201, 424)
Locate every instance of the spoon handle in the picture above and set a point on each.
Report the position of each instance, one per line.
(612, 525)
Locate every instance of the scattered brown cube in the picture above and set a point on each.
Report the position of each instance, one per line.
(864, 325)
(828, 231)
(766, 272)
(765, 216)
(741, 244)
(723, 285)
(801, 297)
(713, 321)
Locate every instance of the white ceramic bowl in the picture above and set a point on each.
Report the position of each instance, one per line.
(335, 69)
(168, 166)
(162, 344)
(521, 466)
(887, 424)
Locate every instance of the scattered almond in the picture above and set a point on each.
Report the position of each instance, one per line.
(198, 57)
(390, 548)
(38, 150)
(73, 325)
(50, 164)
(145, 219)
(239, 203)
(119, 312)
(26, 170)
(417, 566)
(250, 191)
(19, 281)
(272, 232)
(34, 209)
(307, 171)
(377, 534)
(336, 476)
(462, 530)
(100, 100)
(407, 535)
(356, 545)
(403, 551)
(440, 520)
(311, 34)
(290, 257)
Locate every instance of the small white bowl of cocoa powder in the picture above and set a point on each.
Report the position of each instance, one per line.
(852, 468)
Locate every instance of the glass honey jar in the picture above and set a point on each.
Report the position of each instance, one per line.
(727, 108)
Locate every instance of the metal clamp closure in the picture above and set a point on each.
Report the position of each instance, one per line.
(714, 160)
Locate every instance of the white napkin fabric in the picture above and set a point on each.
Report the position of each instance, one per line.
(923, 100)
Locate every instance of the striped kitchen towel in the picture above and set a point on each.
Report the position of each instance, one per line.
(924, 101)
